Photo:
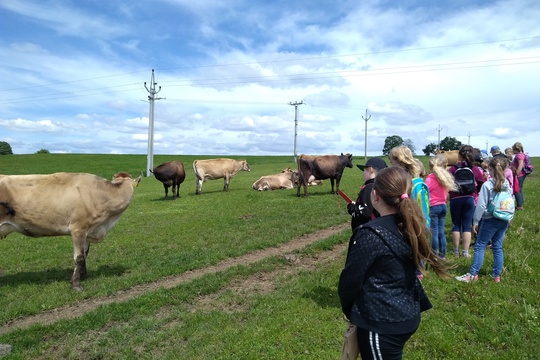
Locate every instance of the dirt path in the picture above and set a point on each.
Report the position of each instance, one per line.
(82, 307)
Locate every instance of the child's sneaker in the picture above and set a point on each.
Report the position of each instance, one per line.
(468, 277)
(465, 254)
(495, 278)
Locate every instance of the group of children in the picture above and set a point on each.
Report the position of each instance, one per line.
(470, 185)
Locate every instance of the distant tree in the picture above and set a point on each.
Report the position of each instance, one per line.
(450, 143)
(391, 142)
(5, 148)
(408, 143)
(43, 151)
(429, 149)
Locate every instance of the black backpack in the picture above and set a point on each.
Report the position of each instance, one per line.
(465, 180)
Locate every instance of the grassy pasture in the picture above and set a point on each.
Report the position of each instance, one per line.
(291, 312)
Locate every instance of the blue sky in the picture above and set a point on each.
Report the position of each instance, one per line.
(73, 75)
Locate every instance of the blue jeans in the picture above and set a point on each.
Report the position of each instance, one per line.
(519, 195)
(461, 212)
(437, 215)
(494, 230)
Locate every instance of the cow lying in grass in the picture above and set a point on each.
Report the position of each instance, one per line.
(82, 205)
(283, 180)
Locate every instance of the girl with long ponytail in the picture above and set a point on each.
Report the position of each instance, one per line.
(378, 287)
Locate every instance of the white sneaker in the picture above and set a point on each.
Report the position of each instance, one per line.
(468, 277)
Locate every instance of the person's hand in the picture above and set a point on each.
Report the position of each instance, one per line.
(351, 208)
(475, 229)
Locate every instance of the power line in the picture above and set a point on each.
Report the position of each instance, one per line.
(282, 60)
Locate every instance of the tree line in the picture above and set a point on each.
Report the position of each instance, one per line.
(448, 143)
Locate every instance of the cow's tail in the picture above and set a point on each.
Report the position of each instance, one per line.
(9, 209)
(196, 171)
(301, 175)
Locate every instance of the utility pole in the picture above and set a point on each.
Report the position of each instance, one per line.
(365, 134)
(295, 104)
(151, 98)
(469, 138)
(439, 137)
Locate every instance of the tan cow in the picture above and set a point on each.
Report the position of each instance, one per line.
(451, 156)
(217, 169)
(283, 180)
(82, 205)
(311, 180)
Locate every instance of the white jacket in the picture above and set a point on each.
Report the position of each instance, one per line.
(484, 198)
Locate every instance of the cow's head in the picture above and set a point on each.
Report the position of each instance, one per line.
(245, 166)
(294, 176)
(348, 162)
(137, 181)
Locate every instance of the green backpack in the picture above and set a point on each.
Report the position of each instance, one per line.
(420, 193)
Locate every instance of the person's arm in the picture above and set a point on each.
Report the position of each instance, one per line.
(363, 251)
(482, 204)
(520, 162)
(362, 208)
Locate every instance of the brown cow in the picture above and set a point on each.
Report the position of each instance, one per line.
(283, 180)
(451, 155)
(170, 174)
(217, 169)
(320, 168)
(82, 205)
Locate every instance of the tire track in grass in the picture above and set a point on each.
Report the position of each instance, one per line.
(78, 309)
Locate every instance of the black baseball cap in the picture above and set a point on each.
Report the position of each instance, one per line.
(377, 163)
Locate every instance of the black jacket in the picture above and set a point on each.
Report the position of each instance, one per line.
(362, 210)
(378, 287)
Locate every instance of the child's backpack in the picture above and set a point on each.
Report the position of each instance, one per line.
(420, 193)
(527, 166)
(464, 178)
(502, 205)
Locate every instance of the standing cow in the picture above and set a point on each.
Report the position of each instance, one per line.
(170, 174)
(217, 169)
(82, 205)
(322, 167)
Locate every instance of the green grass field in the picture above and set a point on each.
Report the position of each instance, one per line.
(277, 308)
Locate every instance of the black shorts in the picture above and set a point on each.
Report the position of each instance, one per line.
(381, 346)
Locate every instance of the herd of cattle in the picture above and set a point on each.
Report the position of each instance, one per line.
(87, 206)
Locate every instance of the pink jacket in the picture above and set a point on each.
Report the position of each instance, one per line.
(437, 193)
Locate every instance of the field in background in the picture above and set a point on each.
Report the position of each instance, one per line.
(290, 312)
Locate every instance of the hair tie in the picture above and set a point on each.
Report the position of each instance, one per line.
(404, 196)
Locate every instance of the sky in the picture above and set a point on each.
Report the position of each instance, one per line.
(76, 76)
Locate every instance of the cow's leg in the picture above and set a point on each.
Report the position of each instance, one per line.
(338, 179)
(198, 186)
(177, 193)
(80, 248)
(166, 191)
(332, 183)
(226, 183)
(302, 181)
